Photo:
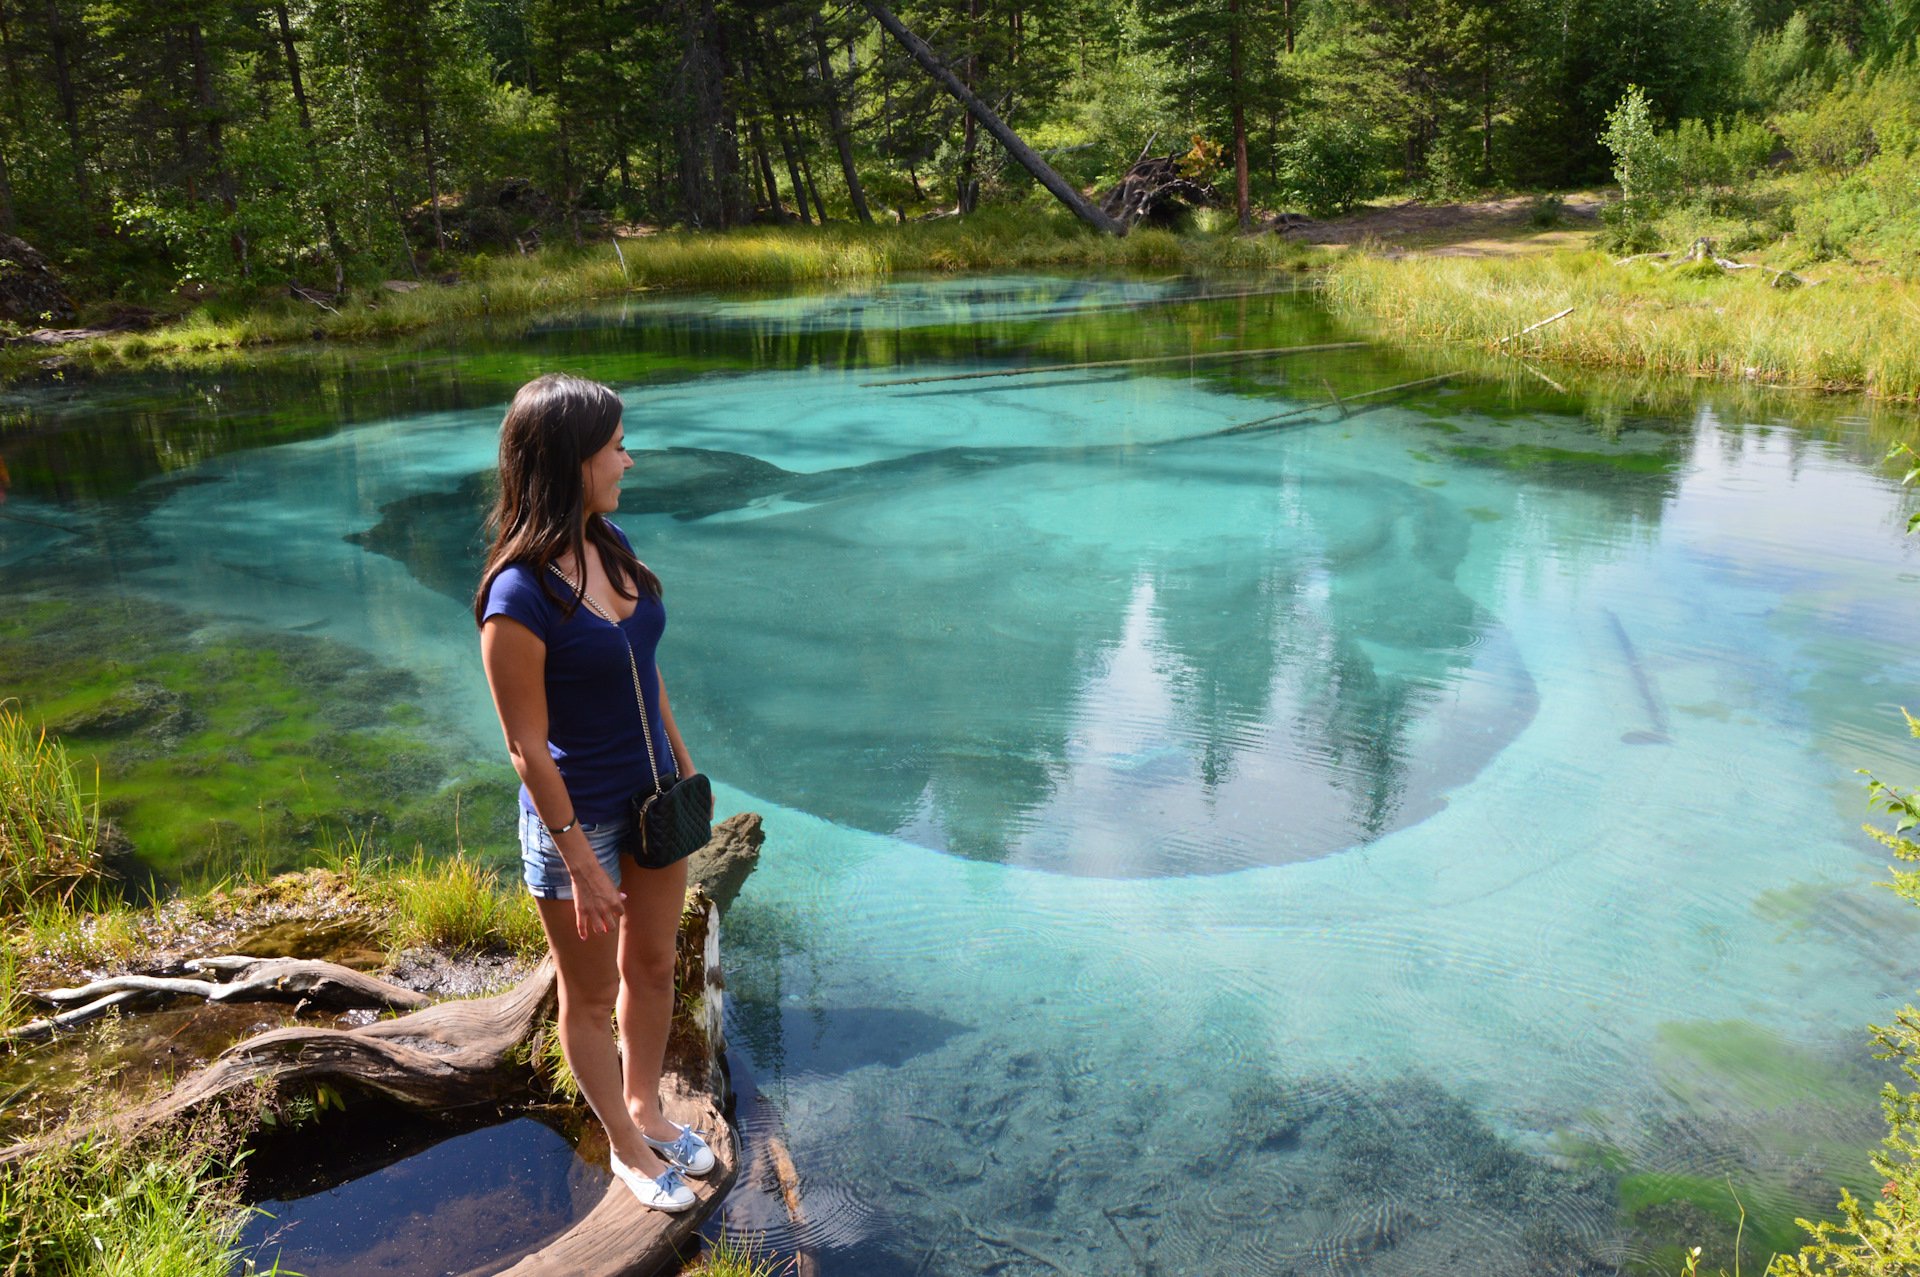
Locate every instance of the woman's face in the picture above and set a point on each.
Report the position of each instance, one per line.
(600, 474)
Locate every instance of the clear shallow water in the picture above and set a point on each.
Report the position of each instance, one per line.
(1394, 844)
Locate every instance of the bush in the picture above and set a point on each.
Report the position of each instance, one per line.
(1329, 165)
(1643, 160)
(1708, 157)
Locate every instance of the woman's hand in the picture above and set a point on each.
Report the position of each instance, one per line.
(597, 903)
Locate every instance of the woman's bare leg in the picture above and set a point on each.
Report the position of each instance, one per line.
(589, 980)
(649, 936)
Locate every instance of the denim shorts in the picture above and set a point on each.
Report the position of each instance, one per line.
(540, 864)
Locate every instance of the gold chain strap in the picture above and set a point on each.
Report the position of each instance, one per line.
(633, 665)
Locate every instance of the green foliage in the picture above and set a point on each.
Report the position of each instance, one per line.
(1329, 166)
(1711, 157)
(49, 825)
(1643, 161)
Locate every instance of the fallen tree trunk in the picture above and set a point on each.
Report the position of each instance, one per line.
(1028, 158)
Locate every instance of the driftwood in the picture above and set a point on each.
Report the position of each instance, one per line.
(1530, 327)
(448, 1055)
(1704, 250)
(251, 980)
(1150, 185)
(1121, 363)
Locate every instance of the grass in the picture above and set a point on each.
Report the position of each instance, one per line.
(455, 904)
(751, 258)
(49, 825)
(167, 1205)
(730, 1255)
(1856, 331)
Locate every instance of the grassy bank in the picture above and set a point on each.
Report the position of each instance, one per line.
(770, 258)
(1854, 331)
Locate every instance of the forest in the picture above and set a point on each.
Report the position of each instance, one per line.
(157, 150)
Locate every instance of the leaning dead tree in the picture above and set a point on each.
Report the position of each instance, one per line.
(1028, 158)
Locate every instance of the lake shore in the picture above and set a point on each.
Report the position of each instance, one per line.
(1416, 273)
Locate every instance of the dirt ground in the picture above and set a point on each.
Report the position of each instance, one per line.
(1483, 228)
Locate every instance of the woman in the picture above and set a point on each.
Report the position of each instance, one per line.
(569, 620)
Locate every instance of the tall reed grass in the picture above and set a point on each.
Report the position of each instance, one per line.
(49, 823)
(1852, 332)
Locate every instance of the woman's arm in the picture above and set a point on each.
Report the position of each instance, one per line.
(516, 662)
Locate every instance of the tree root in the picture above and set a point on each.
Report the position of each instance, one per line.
(251, 980)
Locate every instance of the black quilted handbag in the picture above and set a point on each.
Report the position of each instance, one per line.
(670, 822)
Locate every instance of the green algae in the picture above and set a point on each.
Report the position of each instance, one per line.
(1535, 458)
(249, 747)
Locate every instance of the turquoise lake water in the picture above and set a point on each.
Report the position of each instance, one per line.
(1421, 840)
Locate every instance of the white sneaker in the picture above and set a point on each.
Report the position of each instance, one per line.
(687, 1151)
(665, 1191)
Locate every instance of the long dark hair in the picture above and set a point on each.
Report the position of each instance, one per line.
(552, 426)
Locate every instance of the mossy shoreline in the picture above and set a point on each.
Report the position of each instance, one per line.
(765, 258)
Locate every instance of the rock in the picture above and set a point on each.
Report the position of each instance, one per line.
(142, 707)
(30, 290)
(721, 867)
(401, 285)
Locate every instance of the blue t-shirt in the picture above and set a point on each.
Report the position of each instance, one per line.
(593, 726)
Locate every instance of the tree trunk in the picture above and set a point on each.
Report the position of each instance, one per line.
(216, 149)
(1028, 159)
(400, 220)
(806, 172)
(793, 168)
(433, 170)
(1286, 22)
(967, 193)
(763, 165)
(699, 121)
(1486, 123)
(1237, 77)
(69, 105)
(335, 244)
(620, 142)
(6, 195)
(12, 63)
(837, 124)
